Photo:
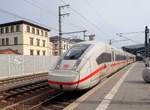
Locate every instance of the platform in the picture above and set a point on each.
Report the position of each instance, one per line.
(126, 90)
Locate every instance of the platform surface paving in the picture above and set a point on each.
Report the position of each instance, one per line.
(132, 94)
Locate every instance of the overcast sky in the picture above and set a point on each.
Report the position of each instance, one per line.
(104, 18)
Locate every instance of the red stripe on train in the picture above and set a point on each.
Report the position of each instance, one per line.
(77, 82)
(85, 78)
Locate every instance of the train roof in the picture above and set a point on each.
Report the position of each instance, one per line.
(104, 44)
(91, 42)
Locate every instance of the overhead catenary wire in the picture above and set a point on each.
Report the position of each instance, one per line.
(18, 16)
(138, 32)
(97, 27)
(41, 8)
(120, 35)
(128, 33)
(97, 12)
(67, 23)
(33, 21)
(89, 21)
(135, 34)
(75, 26)
(48, 11)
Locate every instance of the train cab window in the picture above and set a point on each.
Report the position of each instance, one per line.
(104, 57)
(75, 52)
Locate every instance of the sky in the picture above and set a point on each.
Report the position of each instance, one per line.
(104, 18)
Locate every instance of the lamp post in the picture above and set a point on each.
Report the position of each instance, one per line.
(146, 71)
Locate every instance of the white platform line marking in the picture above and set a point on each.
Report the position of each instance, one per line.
(107, 99)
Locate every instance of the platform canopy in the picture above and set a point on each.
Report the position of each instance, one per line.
(138, 50)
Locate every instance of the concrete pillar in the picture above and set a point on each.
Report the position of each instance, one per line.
(146, 74)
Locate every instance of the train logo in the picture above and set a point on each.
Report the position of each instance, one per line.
(66, 66)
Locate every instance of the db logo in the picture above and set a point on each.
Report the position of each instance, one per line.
(66, 66)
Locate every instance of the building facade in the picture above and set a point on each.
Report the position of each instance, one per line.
(66, 43)
(25, 38)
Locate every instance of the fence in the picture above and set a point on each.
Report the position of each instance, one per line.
(21, 65)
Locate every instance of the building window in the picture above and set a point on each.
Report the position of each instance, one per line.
(33, 30)
(43, 52)
(38, 42)
(12, 29)
(64, 47)
(18, 28)
(55, 53)
(31, 52)
(3, 42)
(41, 32)
(2, 30)
(38, 52)
(7, 41)
(37, 31)
(43, 43)
(7, 29)
(31, 41)
(28, 28)
(55, 41)
(46, 34)
(55, 46)
(15, 40)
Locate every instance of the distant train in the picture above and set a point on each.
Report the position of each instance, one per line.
(85, 64)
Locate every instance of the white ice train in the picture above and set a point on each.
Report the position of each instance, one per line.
(85, 64)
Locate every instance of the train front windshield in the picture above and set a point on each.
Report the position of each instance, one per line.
(76, 51)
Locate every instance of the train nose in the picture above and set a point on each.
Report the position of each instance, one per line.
(63, 79)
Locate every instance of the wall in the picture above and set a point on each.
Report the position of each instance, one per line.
(22, 65)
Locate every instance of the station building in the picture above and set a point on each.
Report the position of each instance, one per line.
(25, 38)
(66, 43)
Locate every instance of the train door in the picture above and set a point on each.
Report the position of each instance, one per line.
(113, 56)
(112, 60)
(85, 71)
(94, 65)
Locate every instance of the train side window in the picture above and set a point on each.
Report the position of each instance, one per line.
(99, 59)
(120, 57)
(104, 57)
(108, 57)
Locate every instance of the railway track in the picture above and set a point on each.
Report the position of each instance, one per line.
(9, 83)
(21, 98)
(58, 101)
(63, 99)
(37, 96)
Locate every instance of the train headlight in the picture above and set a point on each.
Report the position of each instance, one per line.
(76, 64)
